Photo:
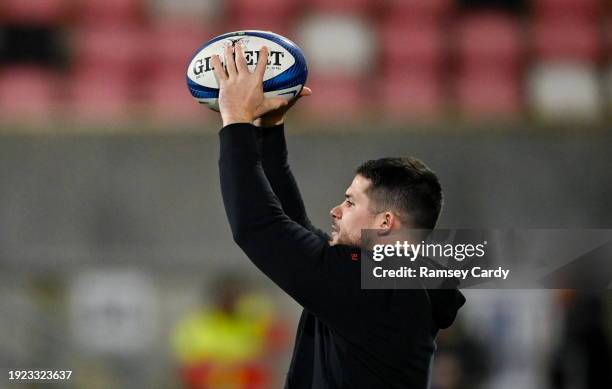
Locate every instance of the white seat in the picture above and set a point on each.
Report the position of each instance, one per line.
(565, 90)
(337, 44)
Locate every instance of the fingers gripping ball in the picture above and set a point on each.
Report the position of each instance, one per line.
(285, 73)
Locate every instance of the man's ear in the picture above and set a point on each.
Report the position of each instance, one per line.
(387, 223)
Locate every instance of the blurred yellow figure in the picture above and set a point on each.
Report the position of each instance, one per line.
(228, 346)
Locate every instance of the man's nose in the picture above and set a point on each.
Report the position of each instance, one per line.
(335, 212)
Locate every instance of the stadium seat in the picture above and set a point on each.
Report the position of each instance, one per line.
(565, 91)
(111, 12)
(27, 94)
(488, 95)
(337, 44)
(170, 101)
(553, 9)
(412, 95)
(256, 15)
(279, 9)
(203, 12)
(489, 39)
(342, 7)
(101, 98)
(607, 32)
(47, 12)
(566, 39)
(261, 21)
(420, 10)
(171, 44)
(108, 48)
(335, 99)
(409, 46)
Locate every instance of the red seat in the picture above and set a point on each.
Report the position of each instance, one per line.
(170, 100)
(28, 94)
(566, 39)
(111, 12)
(489, 39)
(279, 9)
(608, 35)
(420, 10)
(172, 43)
(361, 7)
(335, 99)
(487, 94)
(412, 95)
(259, 21)
(583, 9)
(409, 46)
(109, 48)
(101, 97)
(34, 12)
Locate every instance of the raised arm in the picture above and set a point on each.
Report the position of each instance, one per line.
(314, 273)
(321, 278)
(273, 146)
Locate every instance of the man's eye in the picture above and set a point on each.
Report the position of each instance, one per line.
(349, 203)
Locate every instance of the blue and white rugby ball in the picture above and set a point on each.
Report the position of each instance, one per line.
(285, 74)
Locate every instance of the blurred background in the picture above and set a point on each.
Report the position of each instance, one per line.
(116, 260)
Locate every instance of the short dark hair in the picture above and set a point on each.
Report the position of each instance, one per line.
(405, 186)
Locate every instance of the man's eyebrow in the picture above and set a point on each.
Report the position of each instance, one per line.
(348, 195)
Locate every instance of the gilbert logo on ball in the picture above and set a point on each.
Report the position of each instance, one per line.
(285, 74)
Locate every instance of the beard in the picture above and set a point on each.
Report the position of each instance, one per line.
(340, 237)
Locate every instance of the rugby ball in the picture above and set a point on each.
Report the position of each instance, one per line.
(285, 73)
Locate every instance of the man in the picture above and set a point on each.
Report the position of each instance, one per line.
(347, 337)
(231, 343)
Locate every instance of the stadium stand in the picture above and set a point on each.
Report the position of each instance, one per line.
(420, 58)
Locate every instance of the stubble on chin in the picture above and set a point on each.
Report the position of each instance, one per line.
(333, 238)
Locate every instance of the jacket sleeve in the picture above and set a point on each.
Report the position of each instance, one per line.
(273, 146)
(299, 261)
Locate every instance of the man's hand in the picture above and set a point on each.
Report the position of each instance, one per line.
(241, 98)
(277, 116)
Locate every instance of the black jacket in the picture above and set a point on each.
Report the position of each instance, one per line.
(347, 337)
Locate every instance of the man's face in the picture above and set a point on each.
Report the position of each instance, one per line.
(352, 215)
